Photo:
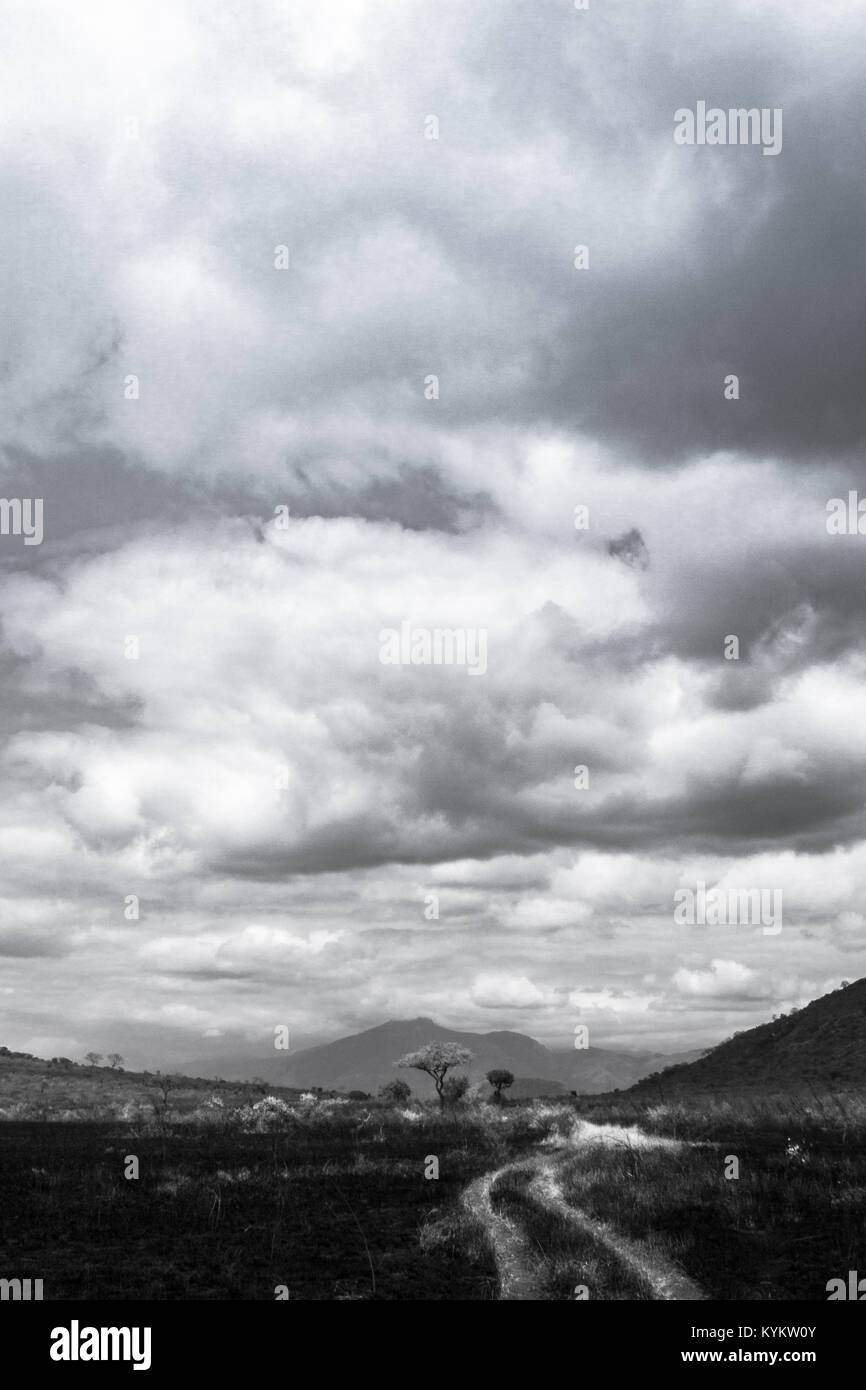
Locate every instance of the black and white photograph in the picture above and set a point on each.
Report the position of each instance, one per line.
(433, 663)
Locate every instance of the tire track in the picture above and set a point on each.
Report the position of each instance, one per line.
(519, 1276)
(514, 1265)
(664, 1278)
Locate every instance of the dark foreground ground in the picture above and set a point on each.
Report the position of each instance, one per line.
(333, 1202)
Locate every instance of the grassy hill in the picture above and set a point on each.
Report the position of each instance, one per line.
(821, 1046)
(33, 1089)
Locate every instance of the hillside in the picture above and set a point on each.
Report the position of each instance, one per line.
(821, 1045)
(33, 1088)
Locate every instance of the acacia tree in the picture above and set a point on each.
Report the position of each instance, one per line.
(437, 1059)
(499, 1079)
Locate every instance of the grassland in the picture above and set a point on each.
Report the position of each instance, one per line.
(332, 1206)
(791, 1220)
(329, 1198)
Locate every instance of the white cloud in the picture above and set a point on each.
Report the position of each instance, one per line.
(150, 251)
(724, 979)
(506, 992)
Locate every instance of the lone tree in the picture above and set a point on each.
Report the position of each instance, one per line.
(93, 1059)
(161, 1101)
(115, 1060)
(499, 1079)
(437, 1059)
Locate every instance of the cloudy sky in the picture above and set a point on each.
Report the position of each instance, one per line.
(281, 804)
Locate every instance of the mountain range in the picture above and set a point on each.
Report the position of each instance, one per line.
(365, 1061)
(823, 1043)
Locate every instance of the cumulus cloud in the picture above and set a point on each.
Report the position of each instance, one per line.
(196, 716)
(506, 992)
(724, 979)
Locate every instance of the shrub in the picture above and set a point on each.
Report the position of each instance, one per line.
(454, 1088)
(264, 1115)
(500, 1079)
(395, 1092)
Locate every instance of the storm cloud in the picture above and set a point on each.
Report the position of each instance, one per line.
(297, 346)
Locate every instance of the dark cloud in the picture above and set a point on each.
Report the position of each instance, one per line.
(275, 797)
(631, 548)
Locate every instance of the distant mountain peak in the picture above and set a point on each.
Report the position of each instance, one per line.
(364, 1061)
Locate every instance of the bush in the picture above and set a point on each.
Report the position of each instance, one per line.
(264, 1116)
(500, 1080)
(395, 1092)
(454, 1088)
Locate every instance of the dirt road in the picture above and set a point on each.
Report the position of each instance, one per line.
(519, 1272)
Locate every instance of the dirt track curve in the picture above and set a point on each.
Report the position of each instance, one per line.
(519, 1278)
